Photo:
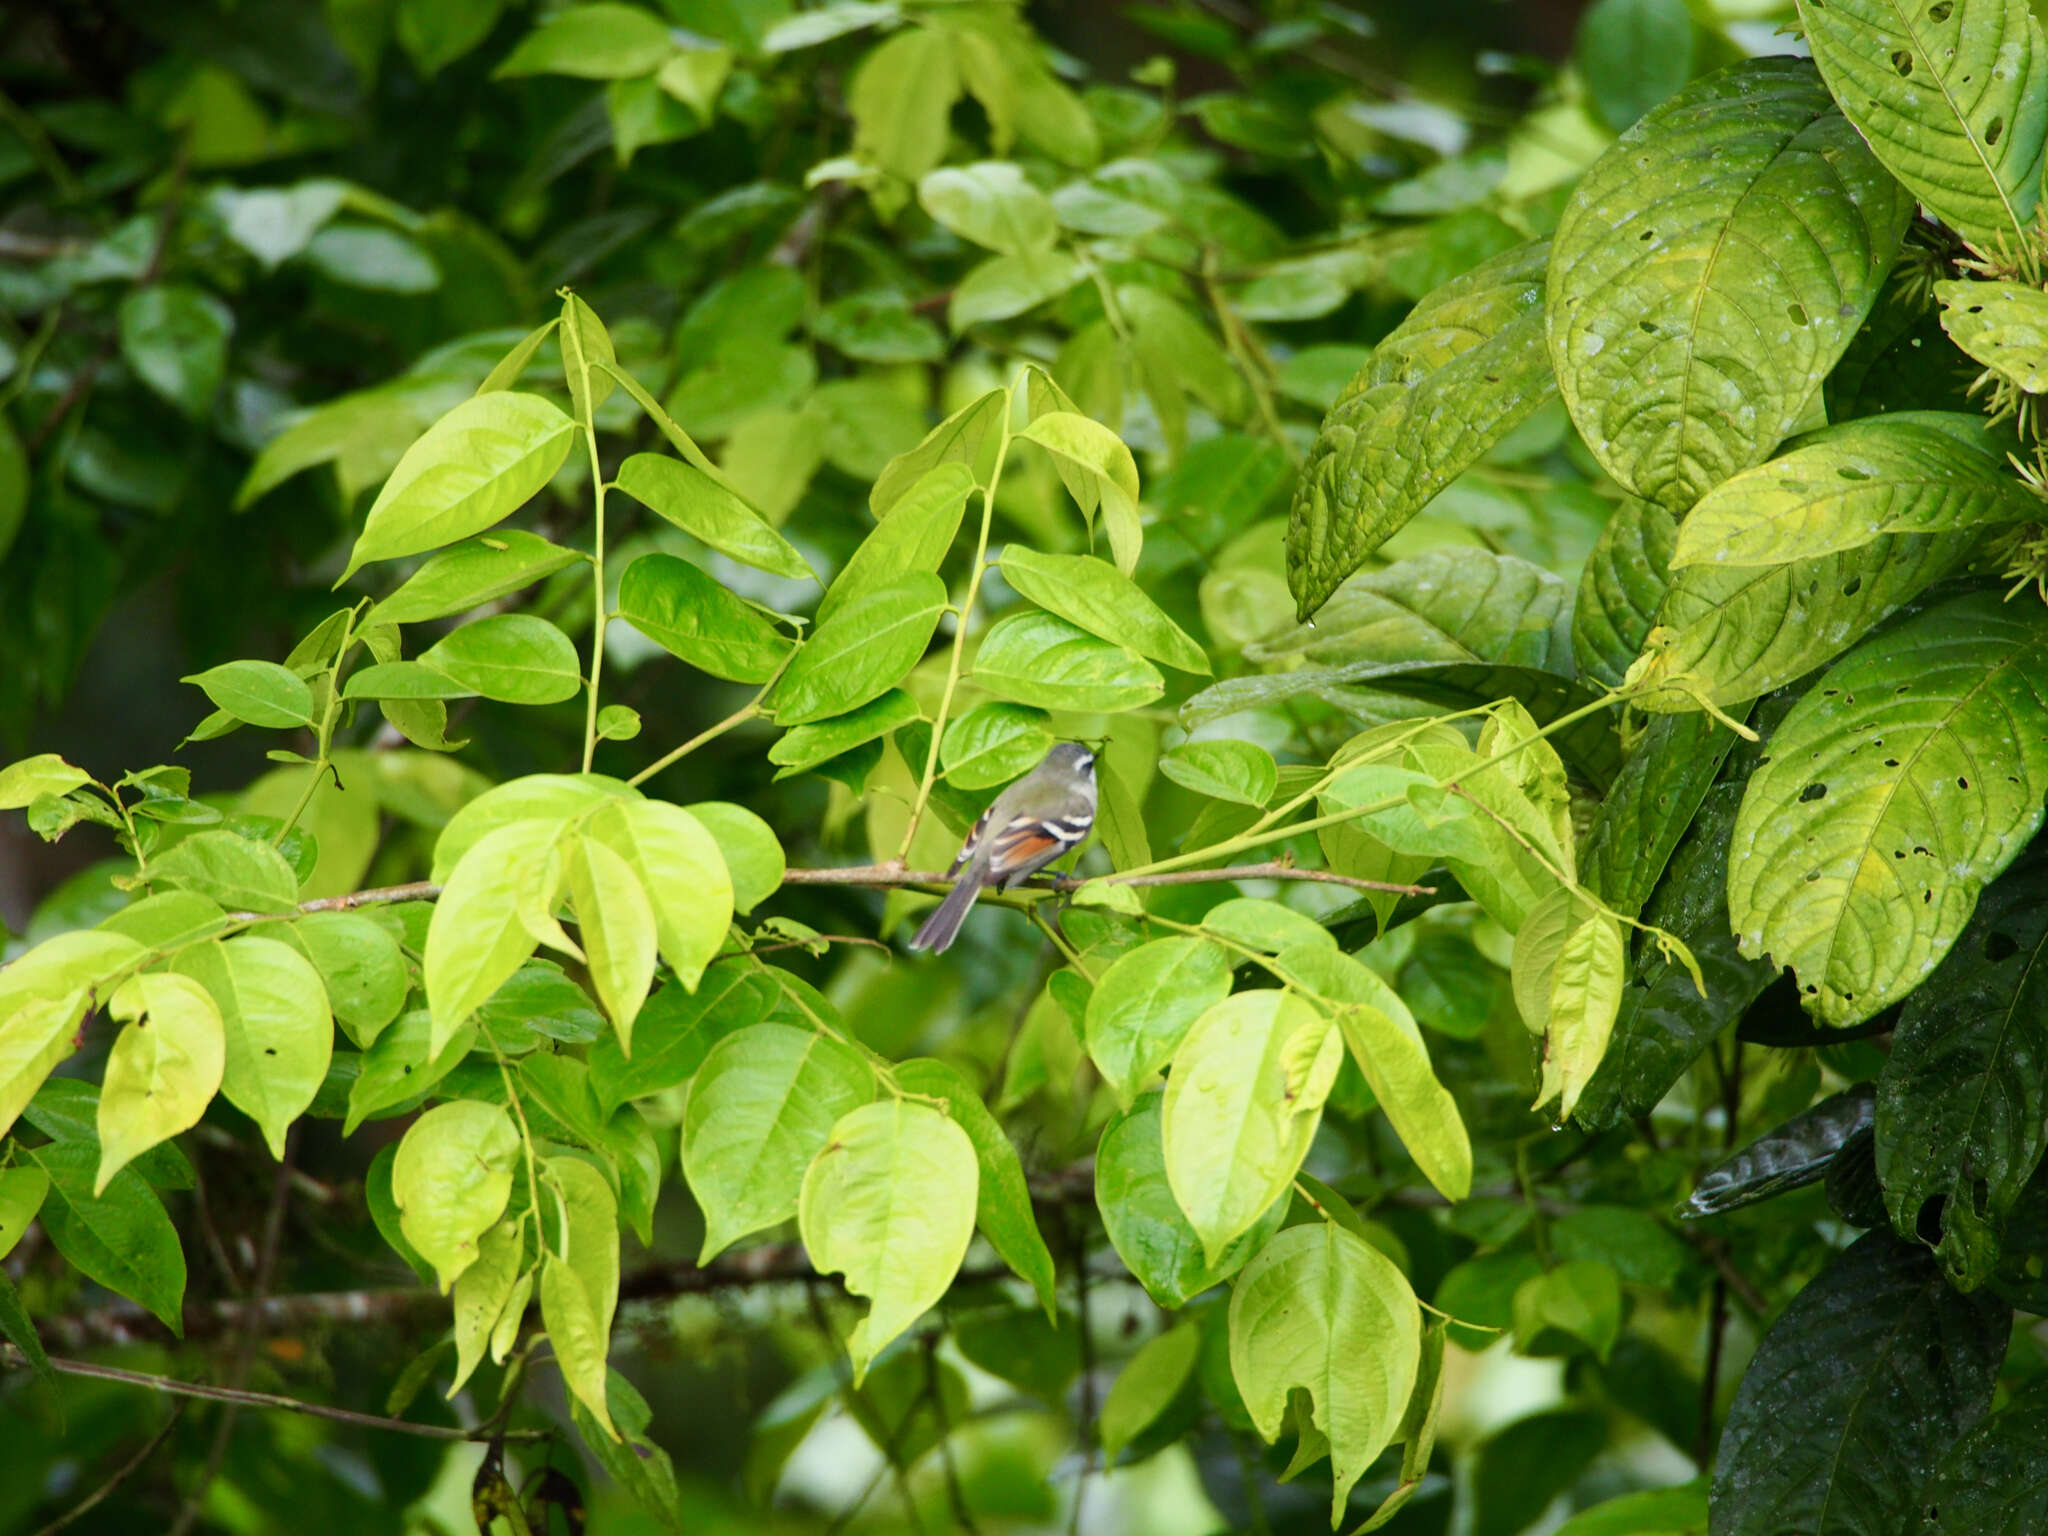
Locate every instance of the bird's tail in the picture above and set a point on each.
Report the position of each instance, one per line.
(941, 927)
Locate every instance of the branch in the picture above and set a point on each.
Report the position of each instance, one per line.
(128, 1469)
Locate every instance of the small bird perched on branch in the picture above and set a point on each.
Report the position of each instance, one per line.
(1041, 816)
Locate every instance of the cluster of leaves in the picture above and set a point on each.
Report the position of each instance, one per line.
(1647, 675)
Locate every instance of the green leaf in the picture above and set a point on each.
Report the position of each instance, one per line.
(914, 535)
(760, 1108)
(435, 33)
(163, 1071)
(404, 682)
(1620, 590)
(2004, 326)
(1847, 485)
(588, 359)
(243, 874)
(1099, 598)
(514, 658)
(360, 966)
(23, 783)
(1384, 1041)
(878, 326)
(991, 204)
(1575, 1306)
(280, 1035)
(809, 745)
(21, 1196)
(684, 873)
(748, 846)
(967, 437)
(579, 1282)
(1634, 53)
(992, 744)
(615, 921)
(706, 509)
(1462, 371)
(477, 937)
(1146, 1387)
(1954, 100)
(1854, 1395)
(1992, 1479)
(674, 1033)
(693, 617)
(866, 648)
(1680, 1511)
(121, 1239)
(1576, 965)
(1913, 773)
(1004, 287)
(1144, 1004)
(1963, 1099)
(473, 468)
(481, 1294)
(1691, 314)
(592, 42)
(1257, 923)
(1321, 1310)
(900, 98)
(451, 1179)
(176, 340)
(1099, 473)
(470, 575)
(1652, 802)
(1242, 1104)
(19, 1329)
(1003, 1207)
(533, 797)
(1239, 771)
(401, 1067)
(1733, 633)
(888, 1202)
(1035, 658)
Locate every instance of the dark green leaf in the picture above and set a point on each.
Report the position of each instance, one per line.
(1634, 53)
(1797, 1153)
(1621, 588)
(123, 1239)
(1994, 1481)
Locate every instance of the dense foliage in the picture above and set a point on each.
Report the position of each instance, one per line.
(1560, 596)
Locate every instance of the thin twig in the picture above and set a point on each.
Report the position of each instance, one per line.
(129, 1468)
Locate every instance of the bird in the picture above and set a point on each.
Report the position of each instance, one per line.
(1039, 817)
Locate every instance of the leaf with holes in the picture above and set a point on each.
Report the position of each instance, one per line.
(2004, 326)
(1952, 95)
(163, 1071)
(279, 1033)
(1911, 775)
(1462, 371)
(1709, 270)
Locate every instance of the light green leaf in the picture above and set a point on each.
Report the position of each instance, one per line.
(589, 362)
(889, 1203)
(2004, 326)
(1572, 1307)
(1321, 1310)
(471, 470)
(1143, 1006)
(900, 98)
(1462, 371)
(992, 744)
(404, 682)
(674, 1033)
(753, 855)
(534, 797)
(807, 29)
(1953, 98)
(1267, 926)
(1004, 287)
(592, 42)
(1035, 658)
(990, 203)
(23, 783)
(1239, 771)
(760, 1108)
(243, 874)
(359, 964)
(579, 1281)
(279, 1032)
(809, 745)
(163, 1071)
(121, 1239)
(1570, 965)
(482, 1293)
(1104, 601)
(470, 575)
(451, 1178)
(514, 658)
(616, 924)
(693, 617)
(1003, 1207)
(867, 647)
(43, 997)
(967, 437)
(915, 535)
(1147, 1386)
(1691, 315)
(1099, 473)
(257, 693)
(1847, 485)
(684, 873)
(1242, 1104)
(1913, 773)
(477, 938)
(708, 510)
(21, 1196)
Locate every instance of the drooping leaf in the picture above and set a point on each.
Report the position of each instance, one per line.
(1853, 1395)
(1038, 659)
(1147, 1385)
(451, 1179)
(615, 922)
(1653, 800)
(889, 1203)
(711, 511)
(1954, 100)
(1690, 314)
(1407, 426)
(866, 648)
(477, 937)
(1143, 1006)
(579, 1282)
(481, 1294)
(279, 1032)
(683, 871)
(120, 1238)
(164, 1069)
(693, 617)
(1963, 1099)
(21, 1196)
(1099, 598)
(1907, 778)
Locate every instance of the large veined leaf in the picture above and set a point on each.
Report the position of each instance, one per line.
(1995, 1479)
(1854, 1393)
(1620, 588)
(1651, 804)
(1322, 1310)
(1709, 270)
(1454, 378)
(1963, 1100)
(1913, 773)
(1847, 485)
(1733, 633)
(1953, 98)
